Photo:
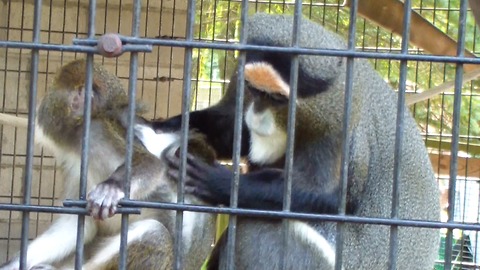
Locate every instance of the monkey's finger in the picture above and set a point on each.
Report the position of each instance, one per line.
(95, 206)
(100, 212)
(94, 211)
(174, 167)
(196, 163)
(173, 160)
(175, 175)
(108, 208)
(107, 211)
(201, 193)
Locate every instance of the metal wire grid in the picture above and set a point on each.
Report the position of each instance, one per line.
(141, 44)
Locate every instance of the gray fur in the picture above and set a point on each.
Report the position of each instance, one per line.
(61, 124)
(319, 126)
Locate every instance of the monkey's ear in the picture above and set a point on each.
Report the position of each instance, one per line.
(264, 77)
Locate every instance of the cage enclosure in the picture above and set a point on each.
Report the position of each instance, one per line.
(435, 67)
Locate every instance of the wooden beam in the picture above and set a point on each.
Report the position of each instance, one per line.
(467, 167)
(389, 15)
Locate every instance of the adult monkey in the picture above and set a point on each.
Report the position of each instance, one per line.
(317, 149)
(151, 234)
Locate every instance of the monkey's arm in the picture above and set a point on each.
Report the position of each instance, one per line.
(54, 244)
(216, 123)
(261, 189)
(102, 200)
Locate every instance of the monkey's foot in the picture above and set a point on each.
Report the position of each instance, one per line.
(103, 200)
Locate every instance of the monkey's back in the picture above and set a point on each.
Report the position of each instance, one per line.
(418, 190)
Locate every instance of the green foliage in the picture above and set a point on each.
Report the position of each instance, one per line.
(219, 21)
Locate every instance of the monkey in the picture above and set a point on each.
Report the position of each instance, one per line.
(317, 155)
(150, 235)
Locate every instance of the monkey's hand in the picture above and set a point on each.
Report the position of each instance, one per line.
(103, 200)
(262, 189)
(210, 183)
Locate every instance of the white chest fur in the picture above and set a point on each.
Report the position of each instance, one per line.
(267, 141)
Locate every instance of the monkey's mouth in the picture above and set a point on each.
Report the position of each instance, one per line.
(260, 123)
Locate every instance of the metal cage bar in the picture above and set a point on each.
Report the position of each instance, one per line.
(457, 103)
(132, 93)
(239, 96)
(399, 136)
(27, 184)
(346, 136)
(85, 138)
(289, 151)
(186, 101)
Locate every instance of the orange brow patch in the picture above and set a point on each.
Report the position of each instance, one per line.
(264, 77)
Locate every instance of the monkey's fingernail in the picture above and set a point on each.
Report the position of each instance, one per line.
(177, 152)
(109, 45)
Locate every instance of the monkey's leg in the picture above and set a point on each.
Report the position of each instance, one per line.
(306, 249)
(56, 243)
(150, 246)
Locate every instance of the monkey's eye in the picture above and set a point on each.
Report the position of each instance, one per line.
(279, 98)
(254, 91)
(275, 98)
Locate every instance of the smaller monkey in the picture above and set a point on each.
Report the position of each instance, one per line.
(150, 235)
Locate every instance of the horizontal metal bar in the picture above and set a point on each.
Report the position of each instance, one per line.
(71, 48)
(133, 207)
(60, 210)
(292, 50)
(83, 204)
(299, 216)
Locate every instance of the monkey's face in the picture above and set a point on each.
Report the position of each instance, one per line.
(62, 109)
(107, 91)
(269, 106)
(266, 114)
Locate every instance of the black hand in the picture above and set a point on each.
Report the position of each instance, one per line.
(210, 183)
(262, 189)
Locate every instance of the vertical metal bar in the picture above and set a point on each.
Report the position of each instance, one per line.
(289, 151)
(399, 133)
(132, 82)
(457, 103)
(186, 101)
(27, 183)
(2, 127)
(346, 135)
(237, 138)
(17, 106)
(198, 51)
(84, 160)
(170, 67)
(85, 137)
